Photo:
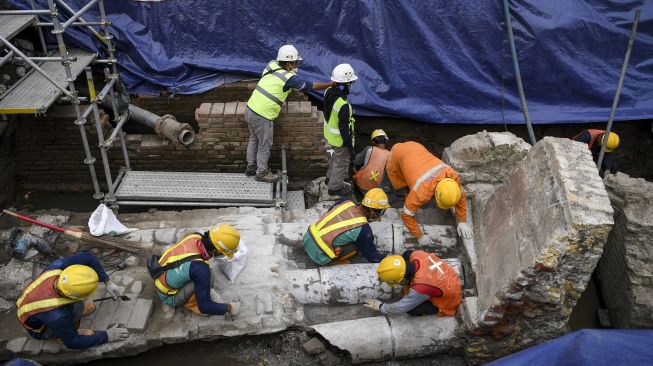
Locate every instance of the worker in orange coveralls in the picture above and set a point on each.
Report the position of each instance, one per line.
(412, 165)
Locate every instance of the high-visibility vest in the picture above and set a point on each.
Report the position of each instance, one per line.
(342, 217)
(188, 246)
(331, 130)
(267, 98)
(594, 135)
(40, 296)
(435, 272)
(371, 175)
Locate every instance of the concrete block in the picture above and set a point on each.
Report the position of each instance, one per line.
(305, 285)
(443, 237)
(423, 336)
(136, 288)
(366, 339)
(165, 236)
(33, 347)
(383, 236)
(352, 284)
(123, 312)
(104, 315)
(313, 346)
(174, 333)
(16, 345)
(140, 315)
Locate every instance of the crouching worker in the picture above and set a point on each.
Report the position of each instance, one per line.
(183, 276)
(431, 286)
(344, 230)
(52, 305)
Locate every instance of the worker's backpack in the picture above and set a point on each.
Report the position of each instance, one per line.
(157, 270)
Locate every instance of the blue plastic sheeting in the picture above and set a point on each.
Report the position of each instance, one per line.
(588, 347)
(434, 61)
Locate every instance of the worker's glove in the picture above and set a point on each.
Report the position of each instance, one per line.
(235, 308)
(425, 240)
(116, 334)
(373, 304)
(112, 289)
(464, 231)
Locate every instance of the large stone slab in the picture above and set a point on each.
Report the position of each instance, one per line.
(539, 237)
(625, 271)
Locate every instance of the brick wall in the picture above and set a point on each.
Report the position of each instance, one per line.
(50, 153)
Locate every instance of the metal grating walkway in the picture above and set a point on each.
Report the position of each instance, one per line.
(35, 94)
(11, 25)
(188, 188)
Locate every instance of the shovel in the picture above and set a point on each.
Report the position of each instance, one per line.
(123, 298)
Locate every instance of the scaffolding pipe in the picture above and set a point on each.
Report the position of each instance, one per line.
(186, 135)
(100, 133)
(6, 58)
(44, 48)
(106, 144)
(107, 37)
(38, 69)
(53, 59)
(615, 101)
(76, 15)
(284, 176)
(107, 88)
(75, 24)
(89, 160)
(106, 61)
(114, 107)
(515, 63)
(71, 11)
(25, 12)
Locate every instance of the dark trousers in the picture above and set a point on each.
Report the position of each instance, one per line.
(425, 308)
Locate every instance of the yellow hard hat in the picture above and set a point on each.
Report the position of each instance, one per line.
(225, 239)
(376, 198)
(392, 269)
(377, 133)
(447, 193)
(613, 142)
(77, 281)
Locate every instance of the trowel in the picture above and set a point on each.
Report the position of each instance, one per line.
(123, 298)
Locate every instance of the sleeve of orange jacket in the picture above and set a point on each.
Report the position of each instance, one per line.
(461, 208)
(411, 205)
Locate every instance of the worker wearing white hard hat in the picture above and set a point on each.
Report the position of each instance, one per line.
(277, 81)
(339, 129)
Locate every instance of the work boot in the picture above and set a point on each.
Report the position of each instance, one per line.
(250, 171)
(267, 177)
(344, 191)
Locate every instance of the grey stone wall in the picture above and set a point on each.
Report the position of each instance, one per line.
(538, 239)
(625, 271)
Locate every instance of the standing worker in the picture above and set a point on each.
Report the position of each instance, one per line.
(432, 286)
(411, 165)
(594, 139)
(186, 277)
(370, 164)
(339, 129)
(277, 81)
(344, 230)
(52, 305)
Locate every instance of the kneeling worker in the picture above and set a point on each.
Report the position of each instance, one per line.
(370, 164)
(594, 140)
(432, 286)
(187, 278)
(52, 305)
(344, 230)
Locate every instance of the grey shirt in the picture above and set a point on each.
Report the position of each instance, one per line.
(407, 303)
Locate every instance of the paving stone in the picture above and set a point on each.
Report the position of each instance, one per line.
(140, 315)
(313, 346)
(104, 315)
(136, 288)
(123, 312)
(16, 345)
(174, 334)
(127, 280)
(32, 347)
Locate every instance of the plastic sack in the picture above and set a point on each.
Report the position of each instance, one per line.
(104, 221)
(231, 267)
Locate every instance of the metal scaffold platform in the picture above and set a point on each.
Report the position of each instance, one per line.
(34, 94)
(143, 188)
(11, 25)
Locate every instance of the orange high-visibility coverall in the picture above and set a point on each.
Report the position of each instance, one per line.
(410, 164)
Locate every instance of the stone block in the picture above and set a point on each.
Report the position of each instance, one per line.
(423, 336)
(16, 345)
(140, 315)
(5, 305)
(123, 312)
(104, 315)
(539, 237)
(33, 347)
(14, 276)
(366, 339)
(230, 109)
(305, 108)
(136, 288)
(313, 346)
(165, 236)
(383, 236)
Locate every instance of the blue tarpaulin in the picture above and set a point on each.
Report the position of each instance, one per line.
(435, 61)
(588, 347)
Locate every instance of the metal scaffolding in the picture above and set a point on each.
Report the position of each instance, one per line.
(40, 88)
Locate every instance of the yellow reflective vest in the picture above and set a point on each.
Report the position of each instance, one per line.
(267, 98)
(331, 130)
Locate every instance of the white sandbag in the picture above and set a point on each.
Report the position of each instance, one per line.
(231, 267)
(104, 221)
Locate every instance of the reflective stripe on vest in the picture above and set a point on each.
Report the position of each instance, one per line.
(267, 98)
(185, 248)
(371, 175)
(435, 272)
(344, 218)
(430, 173)
(40, 296)
(331, 127)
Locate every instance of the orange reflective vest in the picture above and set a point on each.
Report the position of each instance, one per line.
(594, 135)
(412, 165)
(371, 175)
(435, 272)
(40, 296)
(190, 245)
(340, 218)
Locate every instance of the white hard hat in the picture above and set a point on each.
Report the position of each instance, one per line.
(288, 53)
(343, 73)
